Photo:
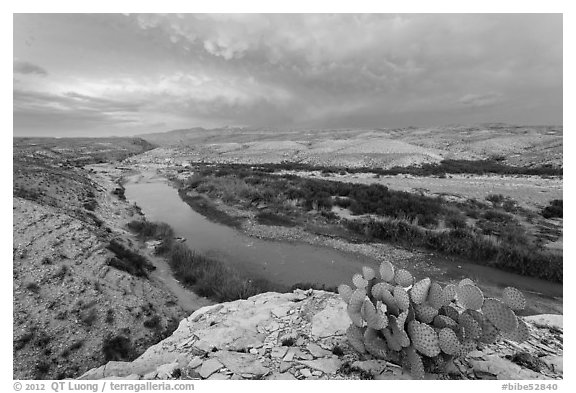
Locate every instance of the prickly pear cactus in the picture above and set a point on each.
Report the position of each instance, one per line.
(395, 316)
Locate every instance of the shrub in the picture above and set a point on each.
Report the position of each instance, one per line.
(117, 348)
(33, 287)
(153, 322)
(456, 222)
(88, 317)
(128, 260)
(554, 209)
(274, 219)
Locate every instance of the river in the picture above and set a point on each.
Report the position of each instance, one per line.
(289, 263)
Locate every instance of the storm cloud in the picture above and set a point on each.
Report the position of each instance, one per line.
(127, 74)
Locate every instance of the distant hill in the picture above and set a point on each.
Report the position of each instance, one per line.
(516, 145)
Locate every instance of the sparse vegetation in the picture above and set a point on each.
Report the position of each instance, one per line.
(117, 347)
(154, 322)
(128, 260)
(206, 276)
(476, 167)
(33, 287)
(554, 210)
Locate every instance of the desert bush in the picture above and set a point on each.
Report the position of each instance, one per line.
(154, 322)
(456, 221)
(90, 205)
(518, 257)
(33, 287)
(118, 348)
(554, 209)
(88, 317)
(128, 260)
(275, 219)
(423, 325)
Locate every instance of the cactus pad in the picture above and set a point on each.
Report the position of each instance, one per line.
(390, 302)
(359, 281)
(435, 298)
(403, 278)
(355, 337)
(466, 281)
(415, 363)
(374, 318)
(401, 320)
(374, 344)
(442, 321)
(357, 299)
(469, 297)
(398, 331)
(490, 332)
(500, 315)
(424, 338)
(521, 334)
(392, 341)
(448, 294)
(387, 271)
(368, 273)
(449, 311)
(425, 313)
(401, 297)
(355, 316)
(467, 347)
(419, 291)
(345, 292)
(514, 298)
(378, 288)
(448, 341)
(472, 329)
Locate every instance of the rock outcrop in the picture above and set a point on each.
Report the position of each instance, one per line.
(301, 335)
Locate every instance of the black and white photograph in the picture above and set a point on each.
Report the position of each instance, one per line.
(287, 196)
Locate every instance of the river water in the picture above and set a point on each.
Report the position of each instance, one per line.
(289, 263)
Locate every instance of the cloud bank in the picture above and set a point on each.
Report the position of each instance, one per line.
(128, 74)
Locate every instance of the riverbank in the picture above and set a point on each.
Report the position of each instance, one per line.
(544, 297)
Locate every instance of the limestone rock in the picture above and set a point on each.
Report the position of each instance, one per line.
(209, 367)
(374, 367)
(503, 369)
(546, 320)
(241, 363)
(328, 366)
(331, 321)
(317, 351)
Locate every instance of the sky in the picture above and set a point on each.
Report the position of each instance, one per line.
(127, 74)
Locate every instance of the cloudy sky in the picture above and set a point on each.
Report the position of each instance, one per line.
(113, 74)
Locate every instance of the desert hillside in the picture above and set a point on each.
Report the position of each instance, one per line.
(516, 145)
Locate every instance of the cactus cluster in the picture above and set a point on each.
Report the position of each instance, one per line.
(421, 323)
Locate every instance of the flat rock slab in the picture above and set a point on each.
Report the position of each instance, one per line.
(241, 363)
(224, 337)
(374, 367)
(503, 369)
(317, 351)
(332, 321)
(209, 367)
(546, 320)
(328, 366)
(281, 376)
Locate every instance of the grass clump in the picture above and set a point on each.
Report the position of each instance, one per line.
(128, 260)
(212, 278)
(205, 276)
